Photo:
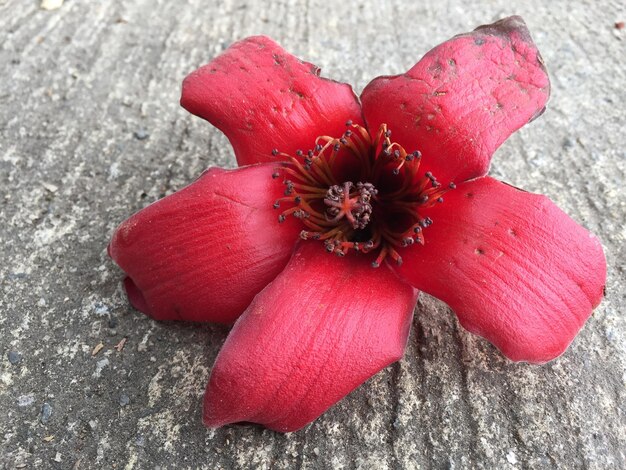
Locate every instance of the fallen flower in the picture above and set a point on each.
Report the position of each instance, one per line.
(395, 186)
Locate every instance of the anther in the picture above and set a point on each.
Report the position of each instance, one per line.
(281, 218)
(440, 199)
(276, 205)
(299, 153)
(274, 152)
(452, 185)
(275, 175)
(290, 187)
(348, 122)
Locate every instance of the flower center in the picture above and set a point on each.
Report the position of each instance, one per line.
(383, 211)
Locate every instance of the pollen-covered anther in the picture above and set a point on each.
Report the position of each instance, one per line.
(407, 241)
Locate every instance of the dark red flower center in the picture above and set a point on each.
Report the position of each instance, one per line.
(359, 192)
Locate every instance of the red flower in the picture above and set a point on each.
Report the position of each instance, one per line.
(310, 327)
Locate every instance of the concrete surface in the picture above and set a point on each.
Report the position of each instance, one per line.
(91, 130)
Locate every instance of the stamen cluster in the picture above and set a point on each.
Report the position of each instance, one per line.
(381, 211)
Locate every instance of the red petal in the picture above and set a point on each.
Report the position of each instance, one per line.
(264, 98)
(204, 252)
(514, 267)
(323, 327)
(463, 99)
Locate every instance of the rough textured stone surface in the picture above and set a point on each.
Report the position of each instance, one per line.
(91, 130)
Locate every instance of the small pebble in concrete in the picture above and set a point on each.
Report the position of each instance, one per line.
(511, 457)
(119, 346)
(141, 134)
(17, 276)
(46, 412)
(14, 357)
(51, 4)
(568, 143)
(97, 349)
(53, 188)
(25, 400)
(124, 399)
